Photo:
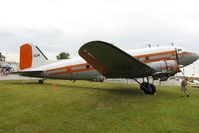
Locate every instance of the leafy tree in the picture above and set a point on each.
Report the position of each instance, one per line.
(2, 57)
(63, 55)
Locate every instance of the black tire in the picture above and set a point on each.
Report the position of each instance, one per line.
(40, 81)
(145, 88)
(153, 89)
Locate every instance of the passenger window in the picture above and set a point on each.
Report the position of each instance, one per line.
(88, 66)
(147, 58)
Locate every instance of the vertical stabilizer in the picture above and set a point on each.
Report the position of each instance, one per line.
(31, 56)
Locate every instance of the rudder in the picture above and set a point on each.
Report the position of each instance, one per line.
(31, 56)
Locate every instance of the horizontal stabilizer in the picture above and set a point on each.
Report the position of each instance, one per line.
(29, 73)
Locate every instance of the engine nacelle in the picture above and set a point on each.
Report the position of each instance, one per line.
(164, 69)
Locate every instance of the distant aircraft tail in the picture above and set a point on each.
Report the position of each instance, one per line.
(31, 56)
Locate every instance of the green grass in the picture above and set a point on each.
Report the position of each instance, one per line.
(85, 107)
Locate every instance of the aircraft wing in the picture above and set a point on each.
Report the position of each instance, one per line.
(29, 73)
(112, 62)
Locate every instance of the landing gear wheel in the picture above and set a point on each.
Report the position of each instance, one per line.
(148, 88)
(144, 87)
(153, 89)
(40, 81)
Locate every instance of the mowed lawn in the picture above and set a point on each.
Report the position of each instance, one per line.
(85, 107)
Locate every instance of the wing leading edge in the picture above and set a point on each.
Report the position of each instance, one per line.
(112, 62)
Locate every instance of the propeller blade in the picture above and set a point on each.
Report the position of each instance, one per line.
(177, 58)
(177, 61)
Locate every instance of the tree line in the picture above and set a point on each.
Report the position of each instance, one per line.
(63, 55)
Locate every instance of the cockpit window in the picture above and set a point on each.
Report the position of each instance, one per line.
(180, 50)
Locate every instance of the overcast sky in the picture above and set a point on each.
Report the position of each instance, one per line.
(64, 25)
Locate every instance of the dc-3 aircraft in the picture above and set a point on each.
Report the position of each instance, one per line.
(101, 59)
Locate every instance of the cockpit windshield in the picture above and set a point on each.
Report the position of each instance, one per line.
(180, 50)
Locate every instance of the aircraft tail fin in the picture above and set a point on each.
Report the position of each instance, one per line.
(31, 56)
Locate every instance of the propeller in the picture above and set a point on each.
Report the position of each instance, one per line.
(177, 58)
(178, 63)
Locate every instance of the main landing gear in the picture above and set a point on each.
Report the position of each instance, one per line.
(146, 87)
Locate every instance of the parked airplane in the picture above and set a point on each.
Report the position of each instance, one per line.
(6, 67)
(101, 59)
(194, 83)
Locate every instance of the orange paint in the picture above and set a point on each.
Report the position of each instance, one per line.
(80, 70)
(154, 54)
(25, 56)
(68, 68)
(154, 60)
(53, 87)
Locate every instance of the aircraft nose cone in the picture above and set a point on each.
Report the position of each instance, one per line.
(195, 56)
(189, 58)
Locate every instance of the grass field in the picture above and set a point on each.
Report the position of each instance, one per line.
(85, 107)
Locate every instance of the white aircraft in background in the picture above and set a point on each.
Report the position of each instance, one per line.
(6, 67)
(194, 83)
(101, 59)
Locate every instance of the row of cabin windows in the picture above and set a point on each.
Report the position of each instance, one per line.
(143, 59)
